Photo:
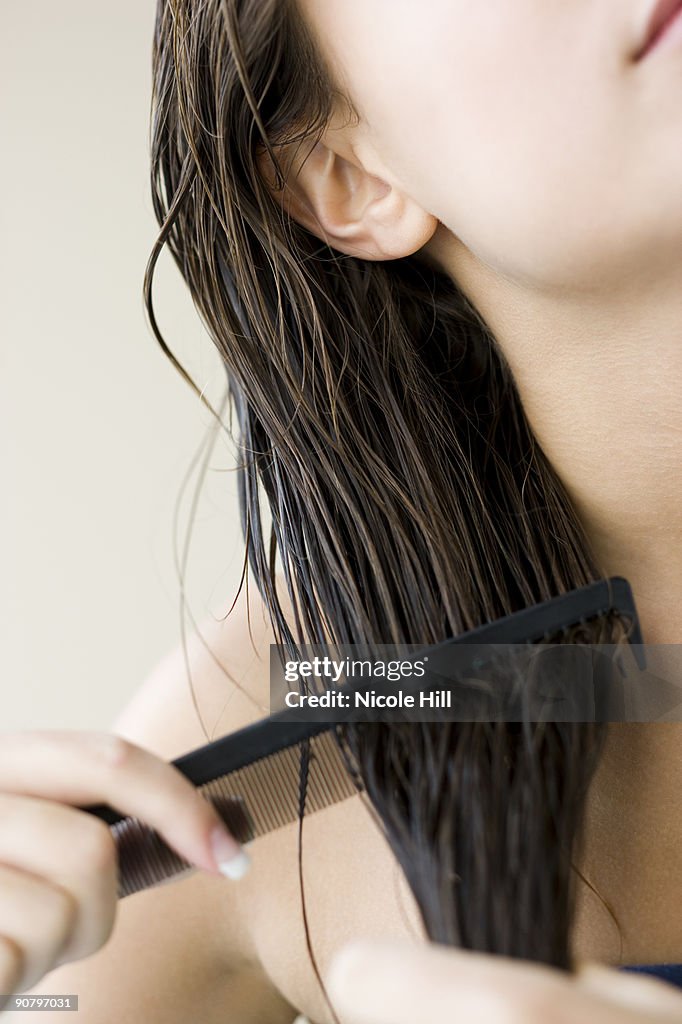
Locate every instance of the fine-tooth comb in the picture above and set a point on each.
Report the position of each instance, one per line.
(252, 777)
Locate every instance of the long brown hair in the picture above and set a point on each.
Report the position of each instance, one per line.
(382, 432)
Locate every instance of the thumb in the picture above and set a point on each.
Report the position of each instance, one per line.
(631, 991)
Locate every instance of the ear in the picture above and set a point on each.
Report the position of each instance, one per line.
(340, 202)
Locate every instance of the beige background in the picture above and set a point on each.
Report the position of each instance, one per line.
(97, 429)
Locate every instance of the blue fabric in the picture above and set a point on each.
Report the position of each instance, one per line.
(668, 972)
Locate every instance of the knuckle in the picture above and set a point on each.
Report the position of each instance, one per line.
(112, 750)
(96, 848)
(61, 914)
(104, 924)
(95, 928)
(11, 964)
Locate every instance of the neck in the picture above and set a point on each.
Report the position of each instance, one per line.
(600, 379)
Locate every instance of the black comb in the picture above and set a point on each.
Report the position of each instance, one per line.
(252, 777)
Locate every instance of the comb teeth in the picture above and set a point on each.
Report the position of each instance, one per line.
(252, 777)
(252, 801)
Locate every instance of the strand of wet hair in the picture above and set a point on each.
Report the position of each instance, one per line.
(302, 793)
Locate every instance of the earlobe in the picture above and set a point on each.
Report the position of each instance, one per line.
(351, 209)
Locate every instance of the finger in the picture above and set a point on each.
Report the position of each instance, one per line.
(67, 848)
(78, 767)
(11, 968)
(633, 991)
(36, 918)
(399, 983)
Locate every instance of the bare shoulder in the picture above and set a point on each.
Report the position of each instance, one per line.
(214, 682)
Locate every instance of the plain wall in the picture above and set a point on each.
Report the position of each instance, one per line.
(97, 428)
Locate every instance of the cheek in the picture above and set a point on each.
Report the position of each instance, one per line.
(568, 184)
(520, 126)
(526, 135)
(528, 170)
(539, 181)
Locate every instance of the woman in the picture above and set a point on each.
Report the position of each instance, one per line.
(451, 330)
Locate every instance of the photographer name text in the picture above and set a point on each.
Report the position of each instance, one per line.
(370, 699)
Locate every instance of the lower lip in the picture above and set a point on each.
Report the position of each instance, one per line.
(669, 36)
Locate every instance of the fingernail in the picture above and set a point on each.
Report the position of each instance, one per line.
(231, 859)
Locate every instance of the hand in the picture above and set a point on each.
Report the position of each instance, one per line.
(400, 983)
(58, 878)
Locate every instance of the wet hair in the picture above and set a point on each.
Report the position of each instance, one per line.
(385, 457)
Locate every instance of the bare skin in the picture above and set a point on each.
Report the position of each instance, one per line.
(243, 944)
(541, 172)
(577, 266)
